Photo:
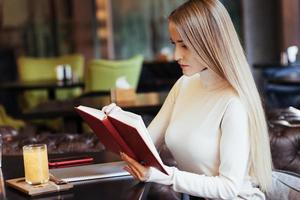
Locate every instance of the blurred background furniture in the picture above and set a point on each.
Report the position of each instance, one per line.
(281, 85)
(14, 140)
(158, 76)
(8, 71)
(284, 130)
(44, 69)
(50, 86)
(102, 74)
(6, 120)
(145, 104)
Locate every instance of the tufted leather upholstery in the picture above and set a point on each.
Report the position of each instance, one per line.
(14, 140)
(284, 130)
(285, 148)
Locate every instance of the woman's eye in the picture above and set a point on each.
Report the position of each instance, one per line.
(184, 46)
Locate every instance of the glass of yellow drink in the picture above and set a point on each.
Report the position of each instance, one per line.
(36, 163)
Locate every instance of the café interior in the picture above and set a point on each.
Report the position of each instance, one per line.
(59, 54)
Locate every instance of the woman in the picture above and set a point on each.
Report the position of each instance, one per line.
(212, 120)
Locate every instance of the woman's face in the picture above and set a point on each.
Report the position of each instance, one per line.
(188, 61)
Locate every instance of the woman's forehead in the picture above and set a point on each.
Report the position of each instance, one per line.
(174, 34)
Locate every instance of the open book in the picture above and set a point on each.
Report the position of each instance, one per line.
(122, 131)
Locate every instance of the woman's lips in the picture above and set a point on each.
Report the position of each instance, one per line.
(183, 66)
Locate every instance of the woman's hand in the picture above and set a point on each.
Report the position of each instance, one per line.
(111, 108)
(137, 170)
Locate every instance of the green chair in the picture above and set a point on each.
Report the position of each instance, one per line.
(36, 69)
(102, 74)
(6, 120)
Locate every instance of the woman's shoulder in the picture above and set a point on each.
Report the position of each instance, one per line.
(235, 105)
(229, 101)
(183, 79)
(181, 82)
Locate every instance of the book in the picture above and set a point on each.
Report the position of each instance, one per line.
(90, 172)
(34, 190)
(122, 131)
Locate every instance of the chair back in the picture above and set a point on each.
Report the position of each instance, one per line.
(38, 69)
(102, 74)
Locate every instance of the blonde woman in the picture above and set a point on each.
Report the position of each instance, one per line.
(212, 120)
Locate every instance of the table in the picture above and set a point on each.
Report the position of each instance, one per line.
(288, 81)
(111, 188)
(273, 65)
(145, 103)
(49, 85)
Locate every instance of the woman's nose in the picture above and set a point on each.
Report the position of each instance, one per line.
(177, 55)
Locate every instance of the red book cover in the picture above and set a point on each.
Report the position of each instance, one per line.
(136, 143)
(106, 133)
(118, 135)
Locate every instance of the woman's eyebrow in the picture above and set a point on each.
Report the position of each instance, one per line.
(179, 41)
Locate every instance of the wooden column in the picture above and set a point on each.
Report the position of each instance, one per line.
(83, 28)
(290, 24)
(1, 13)
(105, 28)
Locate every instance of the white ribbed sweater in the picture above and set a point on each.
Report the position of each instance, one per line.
(205, 126)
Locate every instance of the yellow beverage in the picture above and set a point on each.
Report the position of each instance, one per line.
(36, 163)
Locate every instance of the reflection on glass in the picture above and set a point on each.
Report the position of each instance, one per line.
(2, 186)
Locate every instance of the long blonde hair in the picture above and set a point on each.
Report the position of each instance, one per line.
(207, 30)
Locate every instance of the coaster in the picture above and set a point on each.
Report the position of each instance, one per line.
(34, 190)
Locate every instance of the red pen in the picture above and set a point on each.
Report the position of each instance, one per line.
(70, 161)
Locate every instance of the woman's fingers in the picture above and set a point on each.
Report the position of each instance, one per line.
(134, 173)
(135, 166)
(128, 169)
(107, 109)
(110, 108)
(139, 170)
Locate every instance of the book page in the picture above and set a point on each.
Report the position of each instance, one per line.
(99, 114)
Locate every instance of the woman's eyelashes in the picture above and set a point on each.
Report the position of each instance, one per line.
(183, 46)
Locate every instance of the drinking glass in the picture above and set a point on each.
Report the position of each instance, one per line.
(2, 186)
(36, 163)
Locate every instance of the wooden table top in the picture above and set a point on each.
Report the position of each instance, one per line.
(41, 84)
(111, 188)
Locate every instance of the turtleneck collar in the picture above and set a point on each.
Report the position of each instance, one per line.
(212, 80)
